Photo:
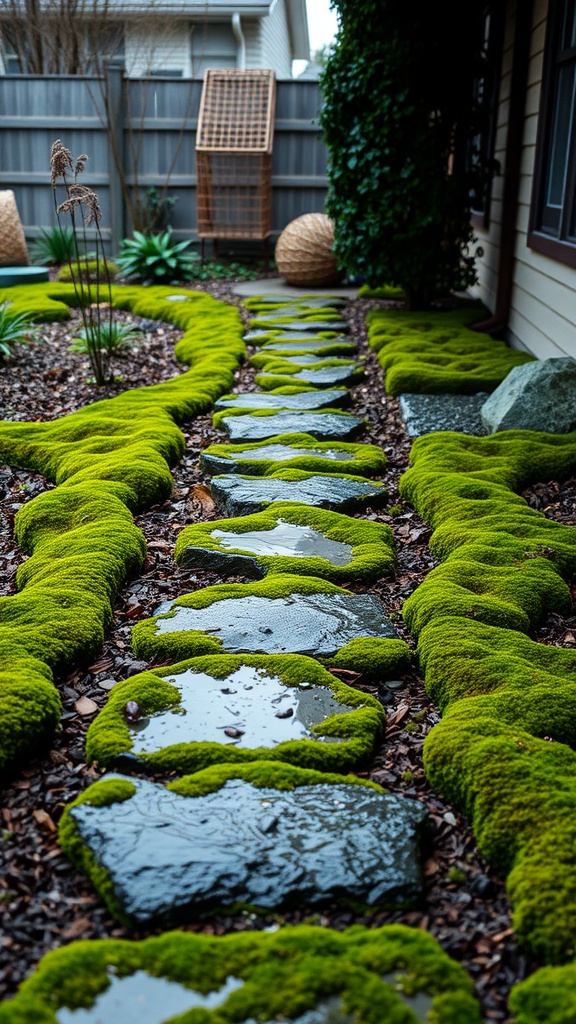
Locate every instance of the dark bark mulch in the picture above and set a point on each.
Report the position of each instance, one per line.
(44, 901)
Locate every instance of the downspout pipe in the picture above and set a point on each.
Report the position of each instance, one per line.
(518, 88)
(239, 36)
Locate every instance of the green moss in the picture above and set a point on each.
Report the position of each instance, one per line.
(510, 703)
(284, 974)
(276, 362)
(334, 347)
(81, 270)
(372, 554)
(547, 997)
(436, 352)
(108, 459)
(357, 731)
(280, 375)
(384, 291)
(363, 460)
(182, 644)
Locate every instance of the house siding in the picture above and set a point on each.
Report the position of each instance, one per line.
(542, 317)
(275, 35)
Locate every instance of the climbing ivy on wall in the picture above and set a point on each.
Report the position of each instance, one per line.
(397, 116)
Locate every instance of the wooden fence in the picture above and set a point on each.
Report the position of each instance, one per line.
(154, 128)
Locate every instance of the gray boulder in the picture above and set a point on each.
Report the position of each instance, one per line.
(535, 396)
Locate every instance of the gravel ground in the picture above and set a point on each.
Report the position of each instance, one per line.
(44, 901)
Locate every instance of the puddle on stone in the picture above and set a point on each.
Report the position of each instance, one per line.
(144, 998)
(287, 539)
(330, 1011)
(420, 1003)
(250, 702)
(281, 452)
(313, 624)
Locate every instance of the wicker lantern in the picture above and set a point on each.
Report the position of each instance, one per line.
(13, 249)
(304, 251)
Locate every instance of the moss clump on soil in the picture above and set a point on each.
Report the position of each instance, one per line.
(547, 997)
(372, 544)
(179, 645)
(383, 291)
(108, 459)
(358, 731)
(437, 352)
(363, 460)
(284, 974)
(499, 752)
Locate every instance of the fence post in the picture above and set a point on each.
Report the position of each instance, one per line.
(114, 87)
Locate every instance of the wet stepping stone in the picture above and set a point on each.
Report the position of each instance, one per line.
(261, 425)
(282, 614)
(274, 362)
(426, 414)
(321, 346)
(291, 398)
(266, 834)
(326, 376)
(294, 451)
(233, 709)
(290, 538)
(356, 975)
(243, 495)
(303, 302)
(299, 326)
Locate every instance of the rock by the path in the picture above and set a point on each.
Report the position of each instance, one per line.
(303, 401)
(170, 857)
(426, 414)
(535, 396)
(242, 495)
(236, 708)
(324, 426)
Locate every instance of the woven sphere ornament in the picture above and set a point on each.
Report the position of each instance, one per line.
(13, 249)
(304, 251)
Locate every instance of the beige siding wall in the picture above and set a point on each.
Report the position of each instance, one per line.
(276, 41)
(158, 45)
(542, 317)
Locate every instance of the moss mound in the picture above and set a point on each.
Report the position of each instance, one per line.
(500, 751)
(357, 732)
(283, 974)
(108, 459)
(437, 352)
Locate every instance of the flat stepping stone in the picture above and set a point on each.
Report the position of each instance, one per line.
(116, 981)
(321, 425)
(293, 451)
(243, 495)
(426, 414)
(290, 538)
(326, 376)
(296, 326)
(273, 362)
(236, 709)
(215, 839)
(323, 346)
(282, 614)
(303, 401)
(302, 302)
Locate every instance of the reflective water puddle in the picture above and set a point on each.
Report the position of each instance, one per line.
(141, 998)
(287, 539)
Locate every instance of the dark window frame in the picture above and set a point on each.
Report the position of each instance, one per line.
(558, 243)
(488, 86)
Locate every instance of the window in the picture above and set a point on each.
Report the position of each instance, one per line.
(553, 215)
(485, 96)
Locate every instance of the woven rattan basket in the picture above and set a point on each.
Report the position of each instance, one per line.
(304, 251)
(13, 249)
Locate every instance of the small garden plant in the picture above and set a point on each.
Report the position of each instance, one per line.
(156, 258)
(13, 328)
(54, 246)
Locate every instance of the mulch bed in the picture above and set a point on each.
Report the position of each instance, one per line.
(44, 901)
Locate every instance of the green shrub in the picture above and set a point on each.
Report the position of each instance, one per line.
(89, 271)
(13, 328)
(156, 258)
(54, 246)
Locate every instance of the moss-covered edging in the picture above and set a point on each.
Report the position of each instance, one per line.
(358, 731)
(437, 353)
(372, 544)
(284, 974)
(364, 460)
(374, 657)
(109, 459)
(507, 700)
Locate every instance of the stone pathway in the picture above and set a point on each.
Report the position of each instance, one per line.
(259, 710)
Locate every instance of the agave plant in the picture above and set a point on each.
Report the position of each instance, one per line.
(156, 258)
(54, 246)
(13, 327)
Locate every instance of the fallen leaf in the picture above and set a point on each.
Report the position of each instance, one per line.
(85, 706)
(202, 495)
(346, 675)
(501, 935)
(78, 927)
(44, 819)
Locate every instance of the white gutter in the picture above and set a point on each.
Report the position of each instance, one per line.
(239, 36)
